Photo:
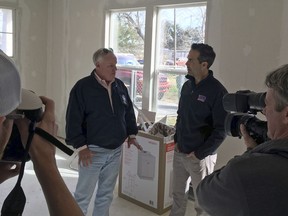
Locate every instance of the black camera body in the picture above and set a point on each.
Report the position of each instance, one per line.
(243, 106)
(30, 108)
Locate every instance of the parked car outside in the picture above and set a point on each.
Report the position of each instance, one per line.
(125, 75)
(180, 78)
(178, 62)
(141, 61)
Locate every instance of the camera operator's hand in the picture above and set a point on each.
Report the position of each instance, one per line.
(40, 149)
(58, 197)
(248, 140)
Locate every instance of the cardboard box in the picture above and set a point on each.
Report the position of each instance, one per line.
(146, 176)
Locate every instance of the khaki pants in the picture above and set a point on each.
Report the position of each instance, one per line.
(183, 168)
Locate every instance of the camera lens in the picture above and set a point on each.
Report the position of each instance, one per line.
(256, 128)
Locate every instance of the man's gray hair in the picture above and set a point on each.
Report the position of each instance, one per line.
(278, 81)
(97, 56)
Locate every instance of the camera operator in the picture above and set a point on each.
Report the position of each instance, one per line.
(255, 183)
(42, 153)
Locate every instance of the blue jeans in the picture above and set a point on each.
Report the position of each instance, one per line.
(104, 170)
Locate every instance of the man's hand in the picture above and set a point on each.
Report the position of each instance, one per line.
(85, 157)
(248, 140)
(133, 141)
(192, 155)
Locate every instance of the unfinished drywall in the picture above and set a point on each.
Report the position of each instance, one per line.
(247, 37)
(58, 37)
(76, 30)
(31, 41)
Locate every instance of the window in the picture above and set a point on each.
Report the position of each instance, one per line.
(127, 33)
(6, 31)
(178, 28)
(174, 29)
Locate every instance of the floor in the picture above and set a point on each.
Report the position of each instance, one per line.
(35, 201)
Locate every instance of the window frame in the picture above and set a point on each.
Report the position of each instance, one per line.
(150, 69)
(14, 11)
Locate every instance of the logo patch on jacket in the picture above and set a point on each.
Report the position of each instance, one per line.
(201, 98)
(124, 100)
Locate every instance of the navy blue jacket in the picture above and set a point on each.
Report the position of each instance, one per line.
(201, 117)
(90, 119)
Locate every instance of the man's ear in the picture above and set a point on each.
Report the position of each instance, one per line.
(285, 115)
(97, 65)
(204, 65)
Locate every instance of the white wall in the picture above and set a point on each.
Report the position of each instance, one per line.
(75, 32)
(250, 39)
(58, 37)
(31, 42)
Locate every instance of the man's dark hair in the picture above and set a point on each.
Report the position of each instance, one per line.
(207, 53)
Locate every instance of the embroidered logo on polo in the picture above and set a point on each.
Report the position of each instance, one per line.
(201, 98)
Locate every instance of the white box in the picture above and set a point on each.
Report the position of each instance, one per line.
(145, 176)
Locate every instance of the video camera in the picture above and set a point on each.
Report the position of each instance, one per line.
(243, 106)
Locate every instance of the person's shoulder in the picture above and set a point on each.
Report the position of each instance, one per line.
(237, 161)
(117, 80)
(82, 84)
(242, 164)
(120, 83)
(84, 80)
(218, 84)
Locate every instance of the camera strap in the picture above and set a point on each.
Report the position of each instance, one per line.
(15, 201)
(53, 140)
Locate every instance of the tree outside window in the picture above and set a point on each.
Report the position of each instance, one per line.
(177, 28)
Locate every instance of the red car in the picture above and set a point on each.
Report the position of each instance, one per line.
(125, 75)
(178, 62)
